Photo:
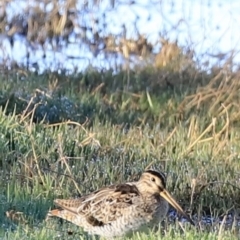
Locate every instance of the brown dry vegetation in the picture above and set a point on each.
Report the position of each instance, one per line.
(52, 23)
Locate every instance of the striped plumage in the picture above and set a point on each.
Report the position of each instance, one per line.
(120, 209)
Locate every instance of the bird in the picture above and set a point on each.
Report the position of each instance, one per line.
(121, 209)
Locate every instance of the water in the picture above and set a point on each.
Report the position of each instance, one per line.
(210, 28)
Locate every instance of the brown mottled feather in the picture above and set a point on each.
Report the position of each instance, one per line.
(120, 209)
(113, 200)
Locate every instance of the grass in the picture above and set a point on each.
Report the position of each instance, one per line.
(64, 136)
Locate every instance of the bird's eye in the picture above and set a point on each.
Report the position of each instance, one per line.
(152, 179)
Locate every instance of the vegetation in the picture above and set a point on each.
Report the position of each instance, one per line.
(64, 136)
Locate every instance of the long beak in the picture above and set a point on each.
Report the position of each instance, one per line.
(166, 195)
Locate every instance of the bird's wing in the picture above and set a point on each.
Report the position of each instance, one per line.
(105, 205)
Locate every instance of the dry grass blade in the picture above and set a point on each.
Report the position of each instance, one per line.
(17, 217)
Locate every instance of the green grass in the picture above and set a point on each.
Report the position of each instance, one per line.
(73, 135)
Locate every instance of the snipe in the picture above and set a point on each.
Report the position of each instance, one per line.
(121, 209)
